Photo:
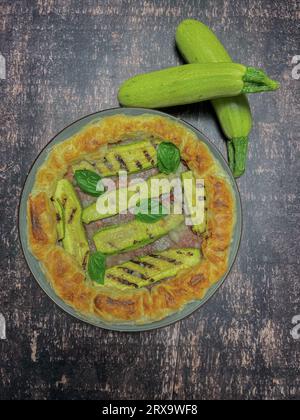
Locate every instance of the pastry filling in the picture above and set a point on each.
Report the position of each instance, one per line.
(136, 242)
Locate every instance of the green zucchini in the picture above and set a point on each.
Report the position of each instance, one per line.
(134, 235)
(190, 201)
(132, 158)
(74, 241)
(193, 83)
(198, 44)
(90, 214)
(60, 222)
(143, 272)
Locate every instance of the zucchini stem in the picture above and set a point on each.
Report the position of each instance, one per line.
(237, 155)
(256, 81)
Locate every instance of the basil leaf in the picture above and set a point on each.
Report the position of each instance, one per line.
(150, 211)
(168, 157)
(97, 267)
(88, 182)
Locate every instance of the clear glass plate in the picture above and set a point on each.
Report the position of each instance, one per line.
(35, 267)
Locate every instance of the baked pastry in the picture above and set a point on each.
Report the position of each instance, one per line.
(152, 270)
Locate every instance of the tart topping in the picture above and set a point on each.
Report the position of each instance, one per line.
(194, 193)
(132, 158)
(91, 214)
(74, 238)
(134, 235)
(152, 268)
(60, 224)
(89, 182)
(150, 211)
(150, 220)
(96, 267)
(168, 157)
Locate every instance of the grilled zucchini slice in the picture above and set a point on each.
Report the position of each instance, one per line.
(90, 213)
(74, 241)
(150, 269)
(132, 158)
(60, 223)
(134, 235)
(190, 200)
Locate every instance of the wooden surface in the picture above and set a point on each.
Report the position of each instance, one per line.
(66, 59)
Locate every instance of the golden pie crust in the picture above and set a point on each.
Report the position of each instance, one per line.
(143, 305)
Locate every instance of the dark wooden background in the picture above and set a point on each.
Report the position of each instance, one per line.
(66, 59)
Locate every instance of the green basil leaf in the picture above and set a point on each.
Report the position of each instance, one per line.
(168, 157)
(97, 267)
(150, 211)
(88, 182)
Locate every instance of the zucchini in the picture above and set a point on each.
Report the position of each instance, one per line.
(143, 272)
(198, 44)
(190, 201)
(90, 214)
(60, 222)
(132, 158)
(134, 235)
(74, 241)
(193, 83)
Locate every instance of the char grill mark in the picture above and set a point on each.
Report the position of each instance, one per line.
(143, 264)
(148, 157)
(165, 258)
(85, 260)
(188, 254)
(71, 218)
(108, 164)
(122, 281)
(139, 165)
(64, 202)
(134, 273)
(122, 162)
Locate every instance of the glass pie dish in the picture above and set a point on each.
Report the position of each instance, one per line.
(35, 265)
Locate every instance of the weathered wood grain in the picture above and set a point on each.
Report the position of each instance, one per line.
(66, 59)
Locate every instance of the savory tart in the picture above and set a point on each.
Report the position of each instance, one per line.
(122, 266)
